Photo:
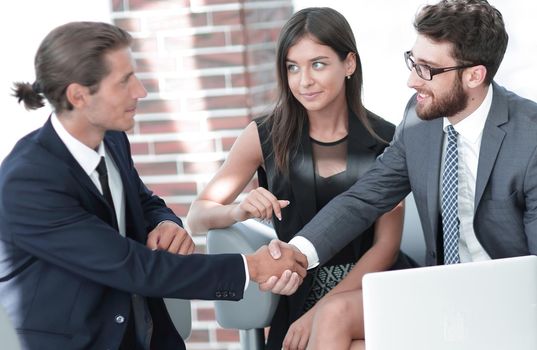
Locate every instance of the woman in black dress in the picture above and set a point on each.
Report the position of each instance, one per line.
(318, 140)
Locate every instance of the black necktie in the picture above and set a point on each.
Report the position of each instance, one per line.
(140, 326)
(103, 179)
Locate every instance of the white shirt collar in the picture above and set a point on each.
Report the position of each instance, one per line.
(84, 155)
(472, 126)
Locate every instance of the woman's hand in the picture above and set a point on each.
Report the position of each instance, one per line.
(259, 203)
(299, 333)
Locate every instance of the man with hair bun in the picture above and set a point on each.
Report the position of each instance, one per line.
(87, 251)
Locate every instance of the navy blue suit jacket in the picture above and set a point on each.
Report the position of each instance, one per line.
(66, 273)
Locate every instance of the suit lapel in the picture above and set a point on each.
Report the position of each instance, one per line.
(52, 142)
(115, 153)
(436, 137)
(129, 191)
(491, 141)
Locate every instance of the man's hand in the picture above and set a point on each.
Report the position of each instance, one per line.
(288, 282)
(290, 267)
(171, 237)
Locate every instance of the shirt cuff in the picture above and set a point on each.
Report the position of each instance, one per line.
(246, 273)
(306, 248)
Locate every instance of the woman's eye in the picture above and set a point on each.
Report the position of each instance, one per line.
(292, 68)
(318, 65)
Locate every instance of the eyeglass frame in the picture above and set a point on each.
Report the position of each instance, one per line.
(432, 71)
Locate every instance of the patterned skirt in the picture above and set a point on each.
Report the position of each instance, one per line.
(324, 280)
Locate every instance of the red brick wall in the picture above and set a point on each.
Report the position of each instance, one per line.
(208, 67)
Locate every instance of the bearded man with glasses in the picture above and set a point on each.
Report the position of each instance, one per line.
(466, 148)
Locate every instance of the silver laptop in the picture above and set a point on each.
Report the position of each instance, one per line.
(473, 306)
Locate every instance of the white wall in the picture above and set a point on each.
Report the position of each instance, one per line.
(23, 24)
(383, 30)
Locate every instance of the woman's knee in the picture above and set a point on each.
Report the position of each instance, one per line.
(338, 308)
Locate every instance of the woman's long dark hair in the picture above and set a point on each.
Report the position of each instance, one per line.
(289, 117)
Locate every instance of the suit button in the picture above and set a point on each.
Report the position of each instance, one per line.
(225, 295)
(232, 294)
(218, 294)
(119, 319)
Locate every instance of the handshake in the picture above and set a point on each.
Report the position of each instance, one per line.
(278, 267)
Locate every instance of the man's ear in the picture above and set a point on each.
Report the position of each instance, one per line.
(475, 76)
(77, 95)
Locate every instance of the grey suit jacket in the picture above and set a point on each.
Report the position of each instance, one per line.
(505, 219)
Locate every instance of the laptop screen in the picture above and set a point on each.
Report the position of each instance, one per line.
(482, 305)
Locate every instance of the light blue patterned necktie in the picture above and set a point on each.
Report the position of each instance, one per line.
(450, 211)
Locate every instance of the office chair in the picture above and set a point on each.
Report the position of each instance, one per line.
(181, 315)
(254, 312)
(8, 335)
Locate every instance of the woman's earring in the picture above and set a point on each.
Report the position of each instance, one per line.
(348, 77)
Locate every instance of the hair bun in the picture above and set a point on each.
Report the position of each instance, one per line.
(36, 87)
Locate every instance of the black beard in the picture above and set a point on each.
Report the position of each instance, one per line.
(447, 106)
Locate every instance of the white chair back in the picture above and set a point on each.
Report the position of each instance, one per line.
(8, 336)
(254, 312)
(181, 315)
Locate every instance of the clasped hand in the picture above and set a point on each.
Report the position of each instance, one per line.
(278, 267)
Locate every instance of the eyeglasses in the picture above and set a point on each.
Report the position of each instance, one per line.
(426, 72)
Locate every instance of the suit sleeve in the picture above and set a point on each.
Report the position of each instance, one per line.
(43, 214)
(530, 213)
(353, 211)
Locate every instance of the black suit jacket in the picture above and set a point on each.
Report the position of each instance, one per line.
(66, 275)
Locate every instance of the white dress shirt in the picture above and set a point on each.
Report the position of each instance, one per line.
(470, 131)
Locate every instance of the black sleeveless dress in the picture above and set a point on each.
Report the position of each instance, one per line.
(331, 178)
